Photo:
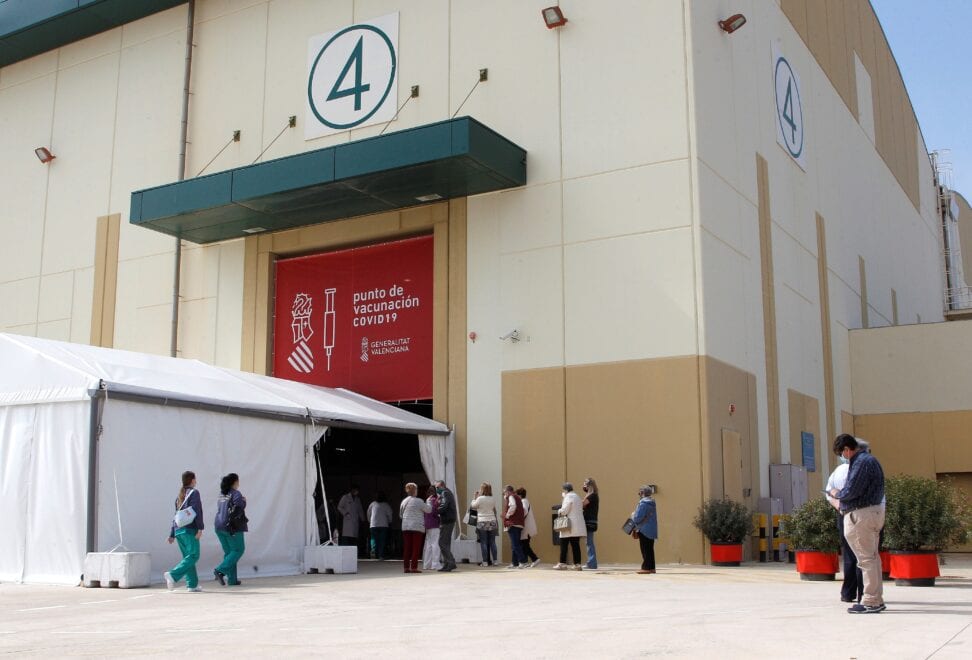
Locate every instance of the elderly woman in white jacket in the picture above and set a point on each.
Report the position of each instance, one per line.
(573, 510)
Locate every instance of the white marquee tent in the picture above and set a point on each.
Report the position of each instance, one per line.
(93, 441)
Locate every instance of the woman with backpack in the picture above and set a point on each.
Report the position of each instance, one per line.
(230, 527)
(187, 528)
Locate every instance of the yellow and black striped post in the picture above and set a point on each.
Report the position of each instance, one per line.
(777, 541)
(760, 532)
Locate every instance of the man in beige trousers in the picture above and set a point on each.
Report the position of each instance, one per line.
(862, 505)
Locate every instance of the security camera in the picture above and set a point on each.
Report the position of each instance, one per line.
(513, 335)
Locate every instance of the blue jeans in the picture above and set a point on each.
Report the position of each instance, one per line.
(518, 556)
(591, 550)
(487, 545)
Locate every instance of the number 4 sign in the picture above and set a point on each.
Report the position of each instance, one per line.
(789, 109)
(352, 77)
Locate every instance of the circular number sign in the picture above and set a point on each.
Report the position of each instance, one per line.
(351, 76)
(789, 111)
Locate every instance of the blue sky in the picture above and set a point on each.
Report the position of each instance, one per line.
(932, 42)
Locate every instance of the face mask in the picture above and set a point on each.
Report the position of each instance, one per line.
(585, 489)
(844, 460)
(440, 490)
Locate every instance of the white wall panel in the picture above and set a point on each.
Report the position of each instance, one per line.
(228, 89)
(630, 201)
(84, 115)
(623, 85)
(56, 296)
(630, 298)
(529, 218)
(484, 357)
(521, 100)
(146, 132)
(531, 291)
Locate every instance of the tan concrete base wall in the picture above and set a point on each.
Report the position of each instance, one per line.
(626, 424)
(924, 444)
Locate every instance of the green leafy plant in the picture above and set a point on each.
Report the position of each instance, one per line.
(813, 526)
(925, 514)
(724, 521)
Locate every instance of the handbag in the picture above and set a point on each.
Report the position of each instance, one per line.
(185, 514)
(629, 526)
(562, 524)
(471, 517)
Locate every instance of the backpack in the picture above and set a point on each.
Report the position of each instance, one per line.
(235, 517)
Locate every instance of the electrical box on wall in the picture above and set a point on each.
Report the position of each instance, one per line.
(789, 483)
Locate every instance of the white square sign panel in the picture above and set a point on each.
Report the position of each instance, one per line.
(789, 108)
(352, 77)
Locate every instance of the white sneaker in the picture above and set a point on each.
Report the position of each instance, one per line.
(560, 567)
(521, 566)
(194, 590)
(578, 567)
(536, 562)
(169, 582)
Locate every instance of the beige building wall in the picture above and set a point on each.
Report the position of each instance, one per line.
(866, 195)
(913, 398)
(632, 263)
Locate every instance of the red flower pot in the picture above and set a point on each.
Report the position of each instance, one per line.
(885, 564)
(726, 554)
(816, 566)
(914, 569)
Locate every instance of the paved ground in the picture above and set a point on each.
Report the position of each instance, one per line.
(683, 611)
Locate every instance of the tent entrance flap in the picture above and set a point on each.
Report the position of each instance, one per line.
(379, 465)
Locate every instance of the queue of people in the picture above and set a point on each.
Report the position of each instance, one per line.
(428, 527)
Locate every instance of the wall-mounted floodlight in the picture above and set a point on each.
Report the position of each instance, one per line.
(44, 154)
(732, 23)
(553, 17)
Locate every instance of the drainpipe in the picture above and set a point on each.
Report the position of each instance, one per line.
(183, 140)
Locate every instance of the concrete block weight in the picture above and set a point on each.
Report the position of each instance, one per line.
(124, 570)
(330, 559)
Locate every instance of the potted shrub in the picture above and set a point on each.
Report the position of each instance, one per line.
(726, 524)
(812, 531)
(924, 516)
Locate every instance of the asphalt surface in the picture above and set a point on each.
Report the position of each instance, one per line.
(682, 611)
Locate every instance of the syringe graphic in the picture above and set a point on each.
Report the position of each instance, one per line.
(329, 327)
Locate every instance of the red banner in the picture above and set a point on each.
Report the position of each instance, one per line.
(359, 319)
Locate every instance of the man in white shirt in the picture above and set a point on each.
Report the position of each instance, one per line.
(379, 519)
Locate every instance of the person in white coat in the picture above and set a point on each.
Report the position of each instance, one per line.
(572, 508)
(352, 515)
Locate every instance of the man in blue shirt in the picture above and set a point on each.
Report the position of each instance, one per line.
(862, 505)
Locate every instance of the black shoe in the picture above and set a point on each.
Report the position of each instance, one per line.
(220, 577)
(444, 569)
(848, 600)
(866, 609)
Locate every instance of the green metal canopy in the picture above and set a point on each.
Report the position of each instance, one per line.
(32, 27)
(453, 158)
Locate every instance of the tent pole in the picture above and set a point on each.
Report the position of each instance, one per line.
(93, 432)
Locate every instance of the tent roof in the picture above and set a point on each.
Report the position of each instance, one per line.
(43, 371)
